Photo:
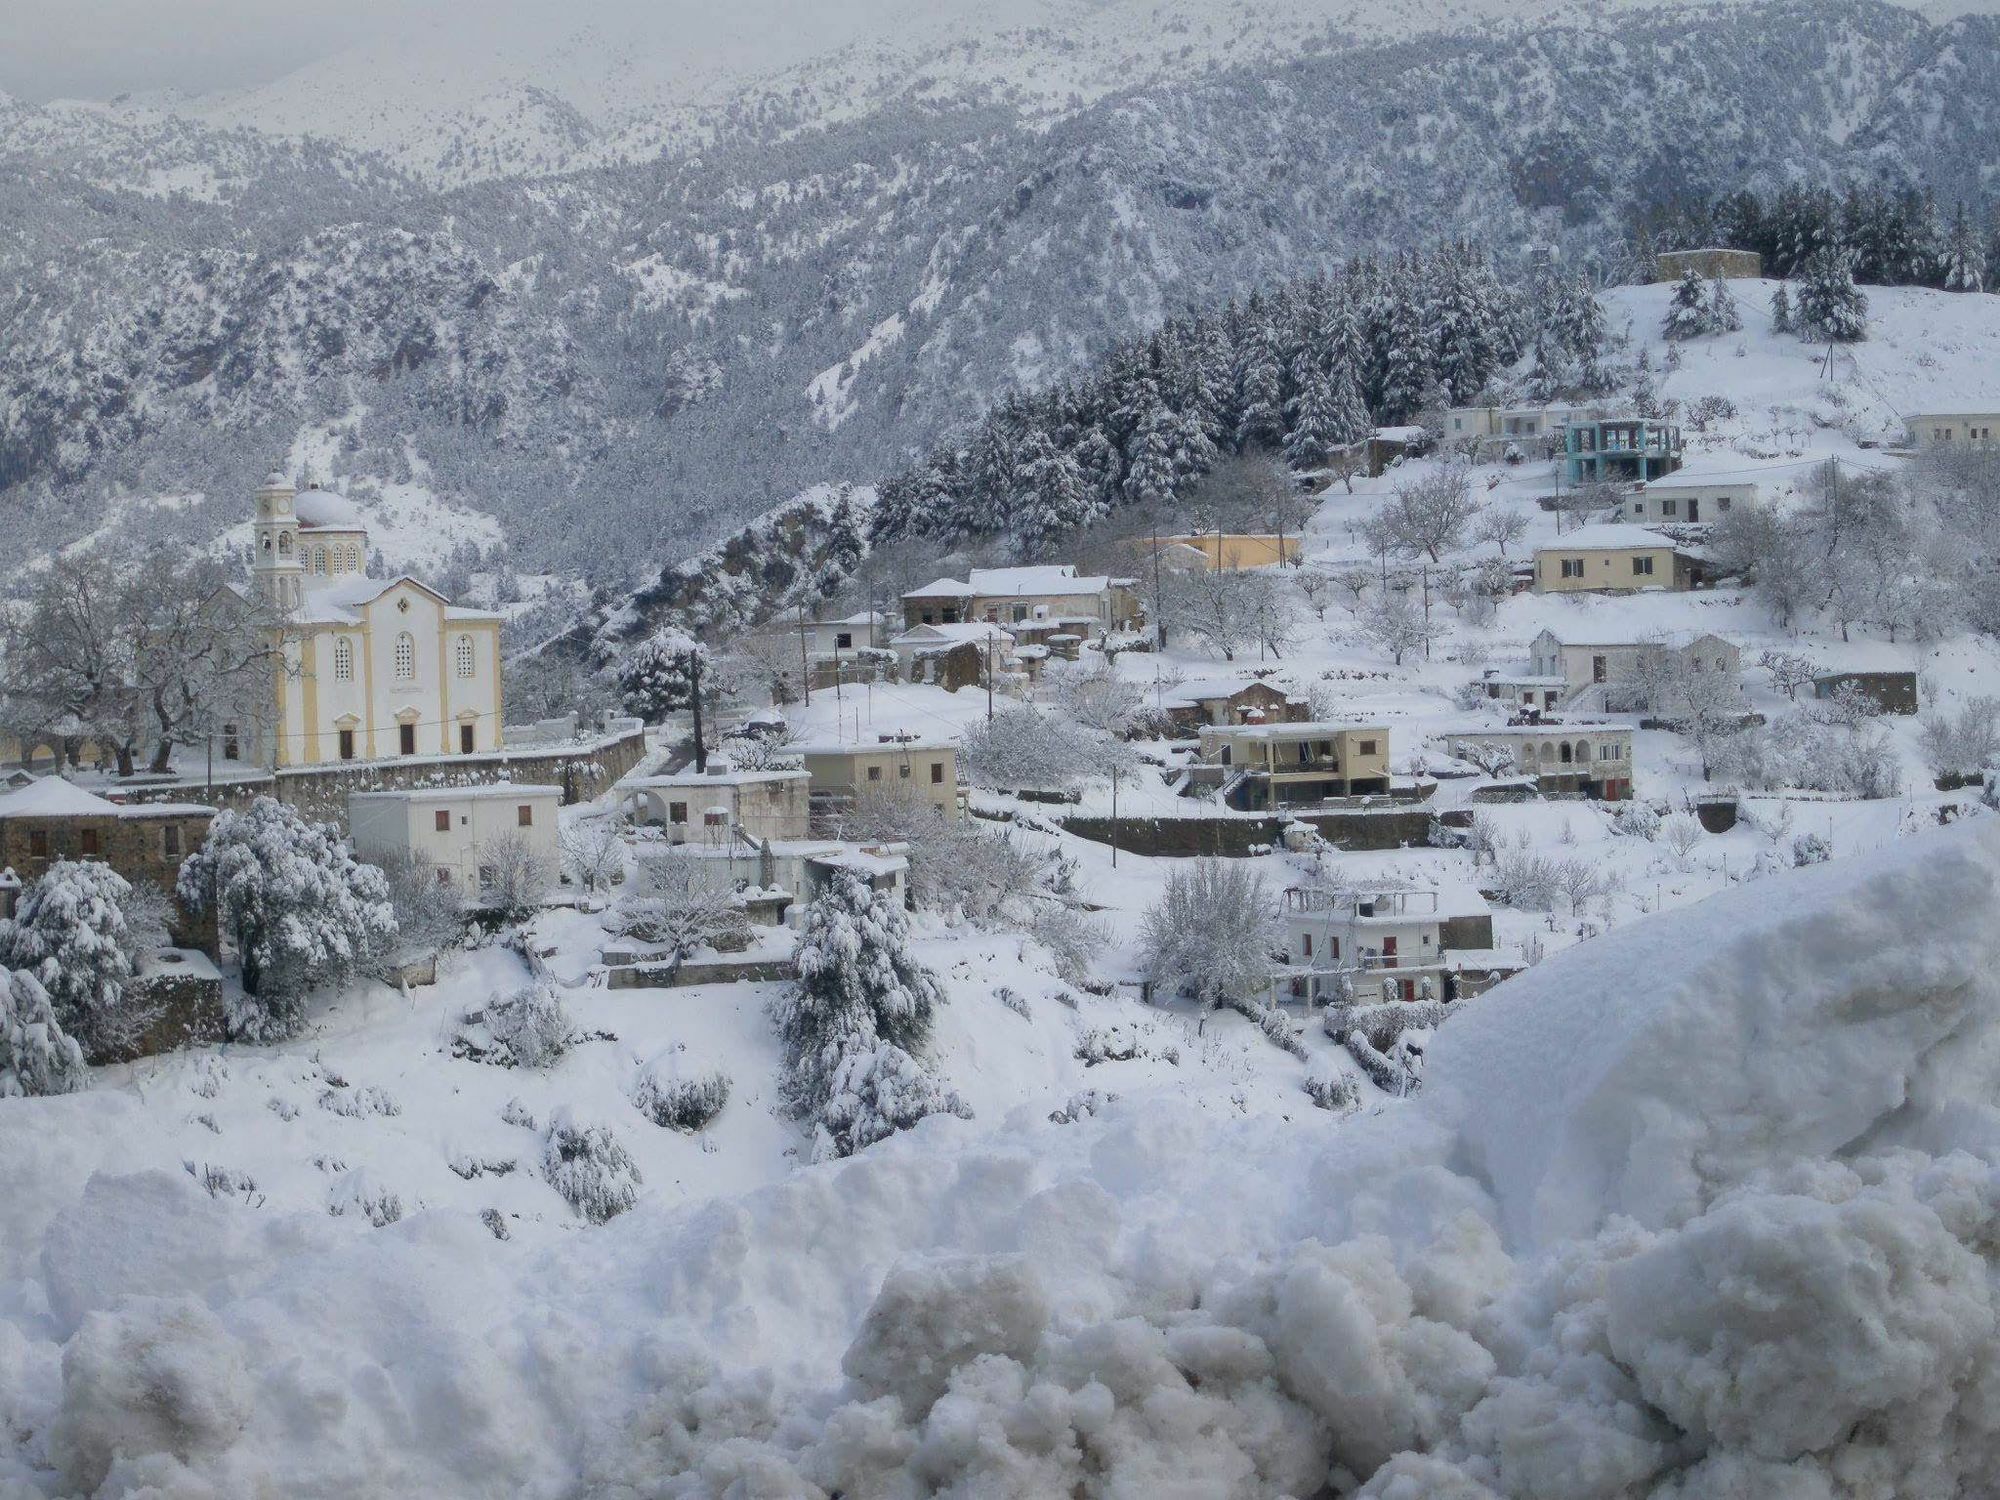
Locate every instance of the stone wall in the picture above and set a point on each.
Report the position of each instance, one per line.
(1233, 838)
(146, 850)
(1467, 934)
(320, 792)
(191, 1013)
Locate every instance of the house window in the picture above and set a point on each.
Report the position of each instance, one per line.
(87, 841)
(406, 738)
(524, 816)
(874, 773)
(406, 656)
(465, 739)
(1308, 945)
(1365, 747)
(38, 843)
(1642, 567)
(1670, 507)
(844, 641)
(170, 841)
(903, 772)
(343, 660)
(441, 822)
(347, 744)
(1572, 567)
(937, 773)
(1722, 504)
(444, 876)
(677, 812)
(463, 656)
(319, 559)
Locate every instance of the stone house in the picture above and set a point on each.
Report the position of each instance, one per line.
(926, 769)
(1615, 559)
(1231, 701)
(722, 804)
(52, 819)
(1566, 759)
(955, 655)
(1280, 765)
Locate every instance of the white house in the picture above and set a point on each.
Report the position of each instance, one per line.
(1585, 664)
(1576, 759)
(1046, 594)
(1386, 944)
(1686, 500)
(458, 829)
(1951, 429)
(371, 667)
(722, 806)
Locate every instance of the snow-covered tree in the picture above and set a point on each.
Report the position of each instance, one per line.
(514, 875)
(1781, 310)
(300, 911)
(957, 868)
(1723, 315)
(36, 1056)
(589, 1168)
(1029, 749)
(429, 912)
(1397, 624)
(855, 1024)
(1212, 934)
(1093, 694)
(71, 931)
(657, 676)
(1964, 256)
(1687, 309)
(1428, 516)
(1831, 307)
(671, 902)
(1501, 525)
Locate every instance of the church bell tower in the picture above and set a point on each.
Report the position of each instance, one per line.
(278, 569)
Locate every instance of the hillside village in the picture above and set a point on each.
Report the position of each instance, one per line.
(1250, 870)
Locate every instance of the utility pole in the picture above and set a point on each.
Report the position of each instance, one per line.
(989, 674)
(694, 675)
(1159, 612)
(1114, 817)
(805, 660)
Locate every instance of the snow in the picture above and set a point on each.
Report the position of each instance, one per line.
(1609, 536)
(53, 797)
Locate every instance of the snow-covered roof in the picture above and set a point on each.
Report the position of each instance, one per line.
(52, 797)
(869, 747)
(680, 780)
(1611, 536)
(500, 789)
(319, 509)
(1673, 640)
(1209, 689)
(941, 588)
(1045, 578)
(1312, 730)
(338, 603)
(971, 630)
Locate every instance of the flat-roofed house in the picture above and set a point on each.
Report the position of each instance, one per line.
(1279, 765)
(1615, 559)
(1615, 448)
(1566, 759)
(1686, 501)
(1951, 429)
(458, 828)
(722, 803)
(1583, 665)
(1045, 594)
(841, 773)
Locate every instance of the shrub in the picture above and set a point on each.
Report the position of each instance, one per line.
(589, 1169)
(1337, 1092)
(530, 1028)
(684, 1104)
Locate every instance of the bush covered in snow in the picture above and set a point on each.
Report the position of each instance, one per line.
(957, 869)
(1797, 752)
(1381, 1024)
(301, 912)
(1337, 1092)
(36, 1055)
(1212, 934)
(1398, 1070)
(429, 912)
(1028, 749)
(595, 1175)
(1072, 938)
(671, 902)
(529, 1028)
(73, 932)
(1281, 1030)
(676, 1103)
(855, 1024)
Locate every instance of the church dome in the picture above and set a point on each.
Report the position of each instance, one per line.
(324, 509)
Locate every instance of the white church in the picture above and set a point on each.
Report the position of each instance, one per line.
(372, 668)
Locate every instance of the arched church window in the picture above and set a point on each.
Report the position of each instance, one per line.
(343, 660)
(284, 544)
(406, 657)
(463, 653)
(319, 560)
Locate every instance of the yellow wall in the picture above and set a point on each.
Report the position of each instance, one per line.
(1604, 572)
(1240, 551)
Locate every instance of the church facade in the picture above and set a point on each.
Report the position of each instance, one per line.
(372, 668)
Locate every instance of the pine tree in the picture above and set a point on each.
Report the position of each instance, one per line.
(1964, 256)
(299, 909)
(1781, 310)
(855, 1024)
(36, 1056)
(1831, 307)
(1312, 440)
(70, 931)
(1261, 391)
(1723, 316)
(1350, 423)
(1687, 312)
(1048, 497)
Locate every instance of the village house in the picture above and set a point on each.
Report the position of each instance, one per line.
(1050, 593)
(145, 842)
(1281, 765)
(1615, 559)
(369, 667)
(1583, 665)
(926, 769)
(1232, 551)
(773, 876)
(1711, 262)
(1489, 432)
(1567, 759)
(1385, 942)
(1527, 690)
(1686, 501)
(463, 832)
(955, 655)
(1610, 449)
(721, 805)
(1230, 701)
(1951, 429)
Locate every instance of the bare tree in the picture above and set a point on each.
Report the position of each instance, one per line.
(1429, 516)
(514, 876)
(593, 850)
(1501, 525)
(1092, 693)
(672, 904)
(1398, 626)
(1681, 834)
(1315, 588)
(1789, 673)
(1226, 610)
(1354, 584)
(1704, 705)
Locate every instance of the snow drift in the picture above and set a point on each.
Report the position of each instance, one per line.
(1705, 1208)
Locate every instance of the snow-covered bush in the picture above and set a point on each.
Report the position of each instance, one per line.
(429, 912)
(359, 1195)
(856, 1021)
(587, 1166)
(71, 931)
(1637, 820)
(1964, 745)
(1383, 1023)
(1212, 934)
(1398, 1071)
(299, 909)
(529, 1028)
(957, 869)
(1520, 879)
(1072, 938)
(1282, 1031)
(1810, 849)
(1103, 1044)
(675, 1103)
(366, 1102)
(672, 903)
(36, 1055)
(1337, 1092)
(514, 876)
(1081, 1105)
(1797, 752)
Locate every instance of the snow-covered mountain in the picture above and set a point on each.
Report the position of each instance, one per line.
(620, 361)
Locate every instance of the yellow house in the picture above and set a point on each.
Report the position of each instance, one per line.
(1614, 559)
(1275, 765)
(926, 769)
(1230, 551)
